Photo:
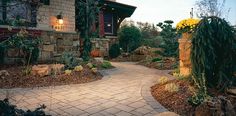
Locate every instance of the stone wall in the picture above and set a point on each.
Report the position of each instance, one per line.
(46, 17)
(56, 43)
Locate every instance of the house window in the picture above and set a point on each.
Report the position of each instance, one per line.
(17, 9)
(108, 23)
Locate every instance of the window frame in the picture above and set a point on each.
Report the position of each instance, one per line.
(33, 14)
(112, 23)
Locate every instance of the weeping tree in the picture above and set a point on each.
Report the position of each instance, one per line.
(86, 17)
(212, 53)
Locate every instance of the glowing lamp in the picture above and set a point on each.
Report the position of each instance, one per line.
(60, 19)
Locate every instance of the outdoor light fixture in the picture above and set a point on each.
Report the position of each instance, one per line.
(60, 19)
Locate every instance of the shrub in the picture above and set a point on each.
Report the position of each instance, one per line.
(163, 80)
(68, 72)
(152, 42)
(156, 59)
(78, 68)
(114, 51)
(212, 50)
(129, 38)
(2, 53)
(172, 87)
(7, 109)
(170, 43)
(69, 60)
(25, 42)
(90, 65)
(106, 64)
(94, 70)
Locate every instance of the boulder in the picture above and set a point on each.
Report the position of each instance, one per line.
(232, 91)
(41, 70)
(143, 50)
(4, 73)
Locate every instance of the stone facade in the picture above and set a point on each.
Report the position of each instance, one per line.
(47, 15)
(57, 38)
(55, 43)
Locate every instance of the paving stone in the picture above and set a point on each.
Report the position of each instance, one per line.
(123, 113)
(136, 113)
(137, 104)
(126, 92)
(142, 110)
(113, 110)
(93, 110)
(124, 108)
(74, 111)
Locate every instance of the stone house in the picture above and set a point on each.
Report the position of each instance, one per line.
(54, 21)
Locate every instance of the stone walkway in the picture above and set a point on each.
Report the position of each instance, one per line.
(124, 91)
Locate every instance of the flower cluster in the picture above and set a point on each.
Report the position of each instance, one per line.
(187, 25)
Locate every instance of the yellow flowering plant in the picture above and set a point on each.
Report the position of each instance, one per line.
(187, 25)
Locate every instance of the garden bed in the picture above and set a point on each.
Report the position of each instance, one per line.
(178, 101)
(167, 63)
(16, 79)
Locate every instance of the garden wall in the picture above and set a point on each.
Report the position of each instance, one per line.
(55, 43)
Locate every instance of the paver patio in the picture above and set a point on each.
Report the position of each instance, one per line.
(124, 91)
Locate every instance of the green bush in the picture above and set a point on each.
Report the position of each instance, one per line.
(7, 109)
(152, 42)
(129, 38)
(156, 59)
(69, 60)
(170, 41)
(114, 51)
(212, 52)
(25, 42)
(106, 64)
(2, 53)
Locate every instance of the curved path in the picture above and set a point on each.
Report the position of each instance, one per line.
(124, 91)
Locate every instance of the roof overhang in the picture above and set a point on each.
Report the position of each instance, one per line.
(123, 10)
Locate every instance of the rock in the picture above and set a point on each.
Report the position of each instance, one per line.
(4, 73)
(218, 106)
(143, 50)
(167, 114)
(41, 70)
(57, 68)
(232, 91)
(99, 59)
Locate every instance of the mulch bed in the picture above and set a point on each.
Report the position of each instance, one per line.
(177, 101)
(17, 79)
(165, 64)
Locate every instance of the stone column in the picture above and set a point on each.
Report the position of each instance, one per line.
(184, 54)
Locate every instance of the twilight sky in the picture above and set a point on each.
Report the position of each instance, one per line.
(155, 11)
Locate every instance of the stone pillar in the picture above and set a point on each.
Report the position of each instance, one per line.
(184, 54)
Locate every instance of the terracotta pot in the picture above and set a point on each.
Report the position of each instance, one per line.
(95, 53)
(185, 53)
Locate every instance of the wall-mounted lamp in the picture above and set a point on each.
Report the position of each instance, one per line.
(60, 19)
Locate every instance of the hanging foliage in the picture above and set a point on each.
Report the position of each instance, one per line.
(212, 52)
(86, 17)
